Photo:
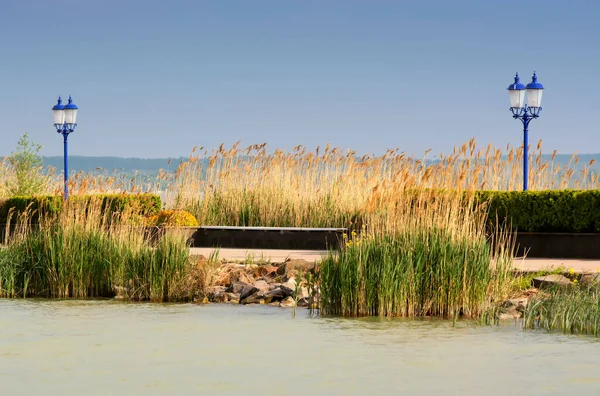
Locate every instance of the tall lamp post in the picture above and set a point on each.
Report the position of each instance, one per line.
(65, 121)
(525, 112)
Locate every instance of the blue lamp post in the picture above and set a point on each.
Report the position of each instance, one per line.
(65, 121)
(525, 112)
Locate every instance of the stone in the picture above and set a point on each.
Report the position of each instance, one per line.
(255, 298)
(275, 294)
(590, 279)
(247, 291)
(287, 302)
(262, 286)
(233, 298)
(217, 294)
(304, 292)
(297, 265)
(237, 287)
(228, 273)
(288, 288)
(246, 278)
(508, 316)
(303, 302)
(266, 270)
(551, 281)
(519, 304)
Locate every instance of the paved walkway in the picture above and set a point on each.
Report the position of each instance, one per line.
(278, 256)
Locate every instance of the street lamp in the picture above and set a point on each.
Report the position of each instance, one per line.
(525, 112)
(65, 121)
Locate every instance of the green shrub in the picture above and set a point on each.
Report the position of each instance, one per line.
(544, 211)
(143, 204)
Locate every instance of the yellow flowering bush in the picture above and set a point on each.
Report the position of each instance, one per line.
(177, 218)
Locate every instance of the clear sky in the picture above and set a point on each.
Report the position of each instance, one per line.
(156, 78)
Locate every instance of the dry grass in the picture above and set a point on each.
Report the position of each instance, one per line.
(331, 188)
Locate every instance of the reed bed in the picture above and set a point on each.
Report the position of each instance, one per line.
(421, 247)
(426, 257)
(82, 252)
(334, 188)
(573, 310)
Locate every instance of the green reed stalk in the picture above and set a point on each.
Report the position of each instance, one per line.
(81, 253)
(573, 310)
(417, 272)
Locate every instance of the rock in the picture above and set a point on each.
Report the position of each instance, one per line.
(288, 287)
(590, 279)
(237, 287)
(255, 298)
(247, 291)
(287, 302)
(275, 294)
(509, 312)
(233, 298)
(267, 270)
(273, 304)
(303, 293)
(217, 294)
(246, 278)
(551, 281)
(262, 287)
(274, 285)
(519, 304)
(303, 302)
(295, 265)
(227, 274)
(508, 316)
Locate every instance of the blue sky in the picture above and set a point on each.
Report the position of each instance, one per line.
(156, 78)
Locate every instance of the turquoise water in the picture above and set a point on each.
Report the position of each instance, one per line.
(106, 347)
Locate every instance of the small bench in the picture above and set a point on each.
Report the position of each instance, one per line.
(296, 238)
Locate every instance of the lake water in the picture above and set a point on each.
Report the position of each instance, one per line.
(106, 347)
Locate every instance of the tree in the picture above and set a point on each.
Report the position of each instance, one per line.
(27, 166)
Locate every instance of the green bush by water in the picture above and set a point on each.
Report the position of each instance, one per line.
(63, 262)
(418, 272)
(545, 211)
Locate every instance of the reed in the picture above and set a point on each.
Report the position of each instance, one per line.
(572, 310)
(427, 257)
(334, 188)
(82, 252)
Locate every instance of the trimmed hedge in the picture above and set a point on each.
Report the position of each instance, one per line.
(143, 204)
(545, 211)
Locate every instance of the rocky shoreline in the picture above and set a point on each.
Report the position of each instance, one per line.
(291, 284)
(284, 285)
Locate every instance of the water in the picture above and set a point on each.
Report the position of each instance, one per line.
(105, 347)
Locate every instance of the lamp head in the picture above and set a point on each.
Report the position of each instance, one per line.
(71, 113)
(59, 112)
(534, 92)
(516, 92)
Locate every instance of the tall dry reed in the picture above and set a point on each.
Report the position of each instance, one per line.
(334, 188)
